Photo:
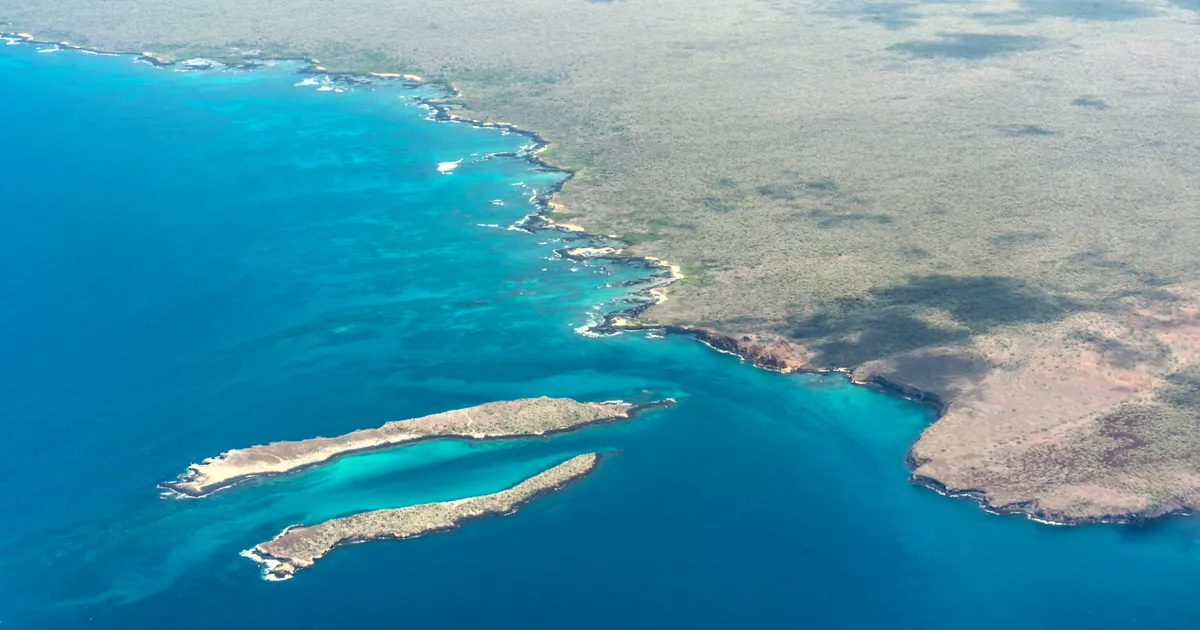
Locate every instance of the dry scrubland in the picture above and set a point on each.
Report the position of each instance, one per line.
(995, 202)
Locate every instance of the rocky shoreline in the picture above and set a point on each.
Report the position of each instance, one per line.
(1031, 511)
(145, 57)
(776, 355)
(299, 547)
(441, 109)
(523, 418)
(780, 356)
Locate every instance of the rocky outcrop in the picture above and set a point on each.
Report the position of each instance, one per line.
(770, 353)
(504, 419)
(300, 547)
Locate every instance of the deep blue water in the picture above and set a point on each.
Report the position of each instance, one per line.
(196, 261)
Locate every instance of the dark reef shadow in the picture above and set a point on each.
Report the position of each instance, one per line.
(971, 46)
(942, 373)
(826, 219)
(846, 342)
(886, 322)
(1017, 131)
(1122, 354)
(1091, 101)
(790, 188)
(1149, 282)
(1010, 240)
(893, 16)
(1090, 10)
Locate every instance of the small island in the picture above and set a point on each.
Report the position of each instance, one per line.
(529, 417)
(299, 547)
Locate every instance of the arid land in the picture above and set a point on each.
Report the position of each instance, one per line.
(994, 203)
(301, 546)
(505, 419)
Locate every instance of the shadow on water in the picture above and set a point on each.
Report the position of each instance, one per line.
(862, 337)
(826, 219)
(887, 320)
(893, 16)
(1017, 239)
(1090, 102)
(1027, 130)
(1089, 10)
(968, 46)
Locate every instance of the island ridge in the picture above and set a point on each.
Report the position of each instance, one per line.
(299, 547)
(528, 417)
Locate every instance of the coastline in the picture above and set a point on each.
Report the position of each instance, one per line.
(1030, 511)
(441, 109)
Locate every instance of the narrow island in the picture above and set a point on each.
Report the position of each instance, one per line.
(528, 417)
(299, 547)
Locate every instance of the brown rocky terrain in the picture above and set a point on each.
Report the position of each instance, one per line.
(301, 546)
(505, 419)
(1092, 420)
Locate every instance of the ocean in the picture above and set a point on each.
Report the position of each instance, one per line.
(196, 261)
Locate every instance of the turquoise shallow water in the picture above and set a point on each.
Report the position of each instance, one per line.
(196, 261)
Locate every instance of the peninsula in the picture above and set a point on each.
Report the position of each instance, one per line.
(528, 417)
(300, 547)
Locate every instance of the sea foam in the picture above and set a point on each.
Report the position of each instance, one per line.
(267, 564)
